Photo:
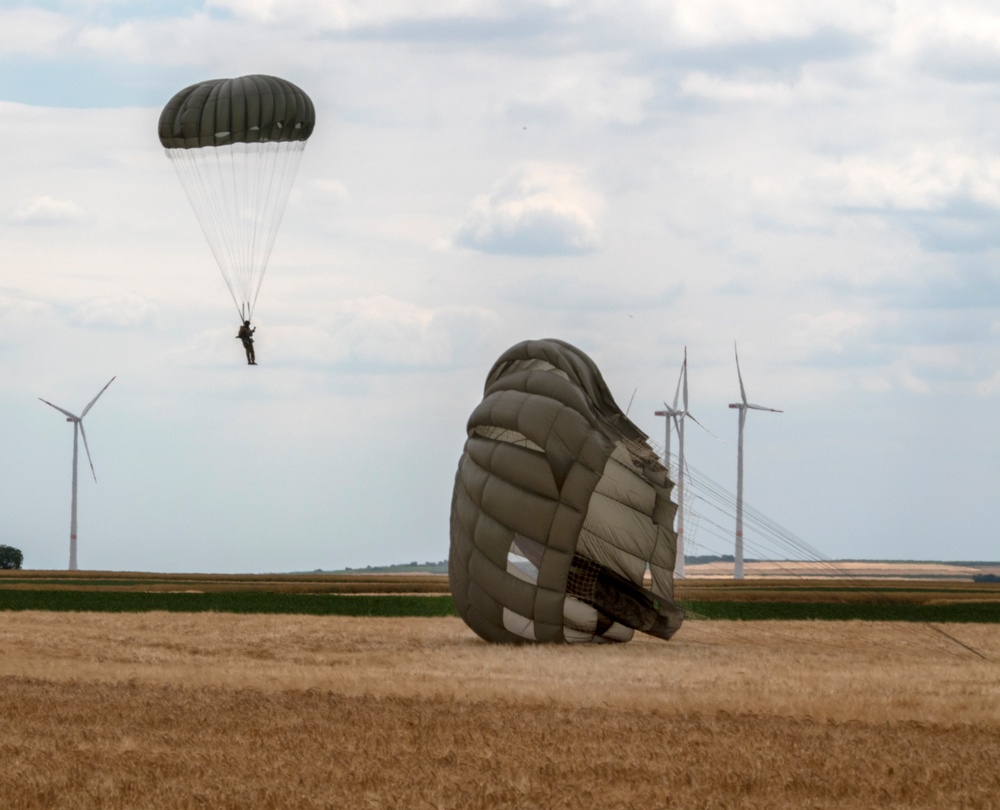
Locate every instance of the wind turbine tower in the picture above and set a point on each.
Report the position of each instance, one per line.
(77, 429)
(677, 415)
(671, 417)
(743, 407)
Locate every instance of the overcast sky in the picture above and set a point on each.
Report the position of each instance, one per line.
(819, 182)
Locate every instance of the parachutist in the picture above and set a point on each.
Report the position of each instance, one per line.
(246, 335)
(236, 145)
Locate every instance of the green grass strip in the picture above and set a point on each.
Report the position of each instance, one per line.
(238, 602)
(976, 612)
(430, 606)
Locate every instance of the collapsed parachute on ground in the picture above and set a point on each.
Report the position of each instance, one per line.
(560, 506)
(236, 145)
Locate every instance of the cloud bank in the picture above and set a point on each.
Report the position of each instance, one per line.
(537, 209)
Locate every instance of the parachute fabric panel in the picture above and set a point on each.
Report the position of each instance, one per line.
(559, 505)
(247, 109)
(236, 145)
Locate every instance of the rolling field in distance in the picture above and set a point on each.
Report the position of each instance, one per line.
(179, 710)
(875, 597)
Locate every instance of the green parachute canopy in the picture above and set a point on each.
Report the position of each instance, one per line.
(236, 145)
(561, 510)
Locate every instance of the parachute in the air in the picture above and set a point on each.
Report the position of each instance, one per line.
(236, 145)
(561, 510)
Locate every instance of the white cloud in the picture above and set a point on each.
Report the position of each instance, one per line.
(957, 38)
(118, 311)
(127, 41)
(717, 88)
(928, 177)
(209, 348)
(709, 22)
(936, 364)
(45, 210)
(11, 306)
(829, 333)
(582, 87)
(328, 191)
(385, 333)
(352, 14)
(33, 31)
(538, 209)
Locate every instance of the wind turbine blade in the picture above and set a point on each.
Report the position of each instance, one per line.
(91, 403)
(684, 371)
(762, 408)
(71, 416)
(84, 434)
(743, 393)
(631, 399)
(699, 424)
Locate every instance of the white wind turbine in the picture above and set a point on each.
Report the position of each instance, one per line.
(77, 429)
(743, 407)
(677, 415)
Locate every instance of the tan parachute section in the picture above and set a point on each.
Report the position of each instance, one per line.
(560, 508)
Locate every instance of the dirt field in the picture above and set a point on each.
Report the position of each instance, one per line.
(837, 569)
(224, 711)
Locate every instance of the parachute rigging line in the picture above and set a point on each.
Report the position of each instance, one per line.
(959, 643)
(774, 540)
(239, 192)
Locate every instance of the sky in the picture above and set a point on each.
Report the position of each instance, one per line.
(817, 183)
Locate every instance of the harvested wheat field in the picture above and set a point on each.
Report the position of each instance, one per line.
(174, 710)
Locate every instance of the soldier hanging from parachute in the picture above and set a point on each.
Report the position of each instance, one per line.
(236, 145)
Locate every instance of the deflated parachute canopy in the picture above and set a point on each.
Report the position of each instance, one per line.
(560, 508)
(236, 146)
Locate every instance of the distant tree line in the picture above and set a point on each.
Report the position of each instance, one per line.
(712, 558)
(10, 558)
(440, 567)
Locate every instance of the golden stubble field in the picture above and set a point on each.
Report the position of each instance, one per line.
(229, 711)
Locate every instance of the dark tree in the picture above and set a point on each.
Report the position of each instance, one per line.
(10, 558)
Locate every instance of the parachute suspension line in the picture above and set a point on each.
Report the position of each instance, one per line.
(256, 199)
(234, 163)
(959, 643)
(235, 207)
(204, 192)
(280, 176)
(239, 192)
(702, 496)
(255, 189)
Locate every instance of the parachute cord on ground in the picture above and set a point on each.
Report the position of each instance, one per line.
(834, 571)
(957, 641)
(699, 488)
